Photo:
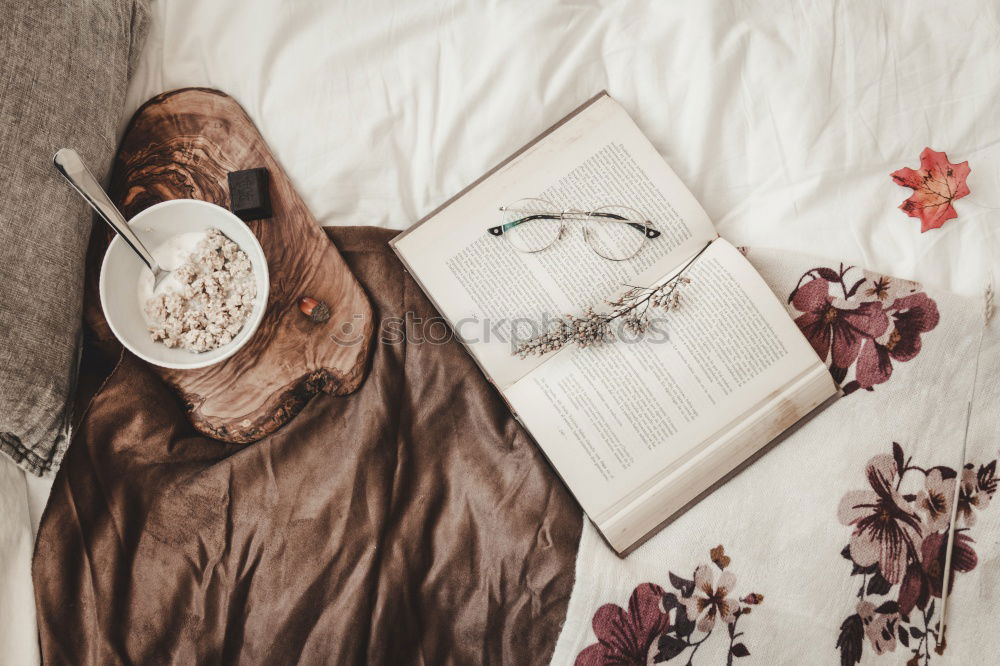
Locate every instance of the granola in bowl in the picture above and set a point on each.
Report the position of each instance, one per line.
(209, 297)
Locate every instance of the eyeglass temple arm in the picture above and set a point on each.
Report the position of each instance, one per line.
(650, 232)
(498, 230)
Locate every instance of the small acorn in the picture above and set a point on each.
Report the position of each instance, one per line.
(317, 311)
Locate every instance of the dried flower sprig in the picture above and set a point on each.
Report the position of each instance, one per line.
(594, 328)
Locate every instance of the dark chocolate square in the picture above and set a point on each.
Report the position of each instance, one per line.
(249, 197)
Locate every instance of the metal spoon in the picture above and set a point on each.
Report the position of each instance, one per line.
(69, 164)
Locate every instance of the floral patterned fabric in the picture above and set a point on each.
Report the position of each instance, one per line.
(843, 526)
(861, 321)
(662, 626)
(899, 547)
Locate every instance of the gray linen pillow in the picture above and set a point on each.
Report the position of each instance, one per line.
(64, 68)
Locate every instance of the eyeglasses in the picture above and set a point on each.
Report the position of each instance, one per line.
(613, 232)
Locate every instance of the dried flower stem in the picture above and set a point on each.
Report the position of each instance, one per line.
(594, 328)
(953, 521)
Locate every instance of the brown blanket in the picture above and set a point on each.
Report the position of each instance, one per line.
(410, 522)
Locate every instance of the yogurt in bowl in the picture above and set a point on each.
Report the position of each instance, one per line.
(210, 305)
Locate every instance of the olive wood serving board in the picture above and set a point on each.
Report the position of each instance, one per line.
(183, 144)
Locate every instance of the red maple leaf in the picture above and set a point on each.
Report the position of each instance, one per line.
(935, 185)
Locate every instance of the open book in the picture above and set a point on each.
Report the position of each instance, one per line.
(640, 428)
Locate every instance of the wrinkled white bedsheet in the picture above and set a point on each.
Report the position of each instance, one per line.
(783, 117)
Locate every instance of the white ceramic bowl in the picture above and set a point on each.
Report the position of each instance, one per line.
(119, 285)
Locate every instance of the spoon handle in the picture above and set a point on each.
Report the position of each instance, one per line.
(69, 164)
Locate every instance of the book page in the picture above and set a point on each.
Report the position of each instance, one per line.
(612, 418)
(485, 288)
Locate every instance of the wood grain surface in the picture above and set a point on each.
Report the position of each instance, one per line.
(182, 144)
